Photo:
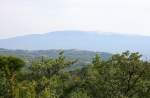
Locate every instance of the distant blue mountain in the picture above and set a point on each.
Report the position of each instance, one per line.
(79, 40)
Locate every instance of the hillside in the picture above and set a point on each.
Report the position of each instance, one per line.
(80, 55)
(92, 41)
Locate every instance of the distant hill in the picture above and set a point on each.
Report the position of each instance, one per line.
(80, 55)
(79, 40)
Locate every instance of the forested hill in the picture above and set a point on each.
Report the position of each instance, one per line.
(80, 55)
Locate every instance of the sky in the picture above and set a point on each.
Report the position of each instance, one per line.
(22, 17)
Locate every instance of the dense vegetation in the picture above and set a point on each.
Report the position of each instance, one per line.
(124, 75)
(81, 55)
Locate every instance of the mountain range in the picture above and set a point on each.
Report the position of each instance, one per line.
(93, 41)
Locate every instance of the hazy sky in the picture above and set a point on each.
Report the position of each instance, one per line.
(20, 17)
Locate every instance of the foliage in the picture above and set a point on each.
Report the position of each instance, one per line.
(9, 66)
(124, 75)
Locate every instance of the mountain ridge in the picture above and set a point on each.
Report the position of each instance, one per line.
(77, 31)
(83, 40)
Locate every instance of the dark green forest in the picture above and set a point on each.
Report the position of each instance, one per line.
(123, 75)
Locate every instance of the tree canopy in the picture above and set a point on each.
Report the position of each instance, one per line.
(124, 75)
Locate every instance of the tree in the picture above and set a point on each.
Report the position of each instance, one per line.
(9, 66)
(122, 76)
(129, 74)
(49, 75)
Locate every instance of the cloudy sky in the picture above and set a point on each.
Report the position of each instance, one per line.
(21, 17)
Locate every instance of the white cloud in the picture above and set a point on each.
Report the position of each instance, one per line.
(19, 17)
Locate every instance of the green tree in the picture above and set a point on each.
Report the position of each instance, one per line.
(50, 76)
(129, 73)
(9, 66)
(122, 76)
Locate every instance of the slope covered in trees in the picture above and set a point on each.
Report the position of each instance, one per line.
(121, 76)
(82, 56)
